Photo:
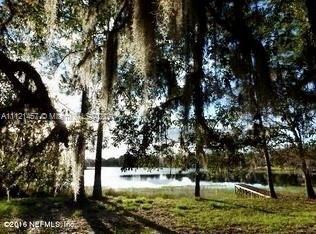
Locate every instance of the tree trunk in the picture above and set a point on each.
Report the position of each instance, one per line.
(269, 172)
(8, 194)
(307, 175)
(266, 152)
(97, 187)
(308, 181)
(197, 177)
(196, 77)
(170, 170)
(81, 147)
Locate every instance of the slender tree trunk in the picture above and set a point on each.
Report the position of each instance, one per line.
(81, 147)
(307, 174)
(170, 168)
(269, 172)
(8, 194)
(198, 153)
(197, 178)
(97, 188)
(197, 46)
(55, 191)
(267, 157)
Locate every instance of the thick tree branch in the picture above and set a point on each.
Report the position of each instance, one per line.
(3, 25)
(37, 99)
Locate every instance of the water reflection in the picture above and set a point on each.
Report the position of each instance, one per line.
(140, 177)
(112, 177)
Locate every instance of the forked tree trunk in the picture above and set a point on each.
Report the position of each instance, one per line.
(308, 181)
(307, 174)
(97, 187)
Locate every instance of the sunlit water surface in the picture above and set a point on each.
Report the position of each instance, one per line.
(113, 177)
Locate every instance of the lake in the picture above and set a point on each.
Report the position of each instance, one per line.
(113, 177)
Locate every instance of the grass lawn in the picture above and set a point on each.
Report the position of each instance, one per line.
(169, 210)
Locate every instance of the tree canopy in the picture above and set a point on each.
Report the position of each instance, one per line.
(225, 74)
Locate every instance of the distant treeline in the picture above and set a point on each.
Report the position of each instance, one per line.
(110, 162)
(161, 162)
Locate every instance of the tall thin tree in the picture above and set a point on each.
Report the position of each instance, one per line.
(97, 187)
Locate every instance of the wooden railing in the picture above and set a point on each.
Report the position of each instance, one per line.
(248, 190)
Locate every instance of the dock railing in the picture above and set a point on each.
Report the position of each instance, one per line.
(251, 191)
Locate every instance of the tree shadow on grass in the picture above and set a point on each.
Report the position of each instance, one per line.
(233, 205)
(32, 213)
(97, 216)
(105, 220)
(107, 217)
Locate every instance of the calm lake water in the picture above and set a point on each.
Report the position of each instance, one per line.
(113, 177)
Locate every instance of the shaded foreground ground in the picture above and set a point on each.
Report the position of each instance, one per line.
(166, 211)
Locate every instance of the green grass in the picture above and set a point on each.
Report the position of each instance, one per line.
(28, 207)
(223, 210)
(281, 170)
(149, 210)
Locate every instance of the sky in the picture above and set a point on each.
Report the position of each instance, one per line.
(72, 103)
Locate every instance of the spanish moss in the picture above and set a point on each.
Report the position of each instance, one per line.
(110, 68)
(144, 22)
(51, 7)
(171, 21)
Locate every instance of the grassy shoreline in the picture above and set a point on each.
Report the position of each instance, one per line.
(168, 210)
